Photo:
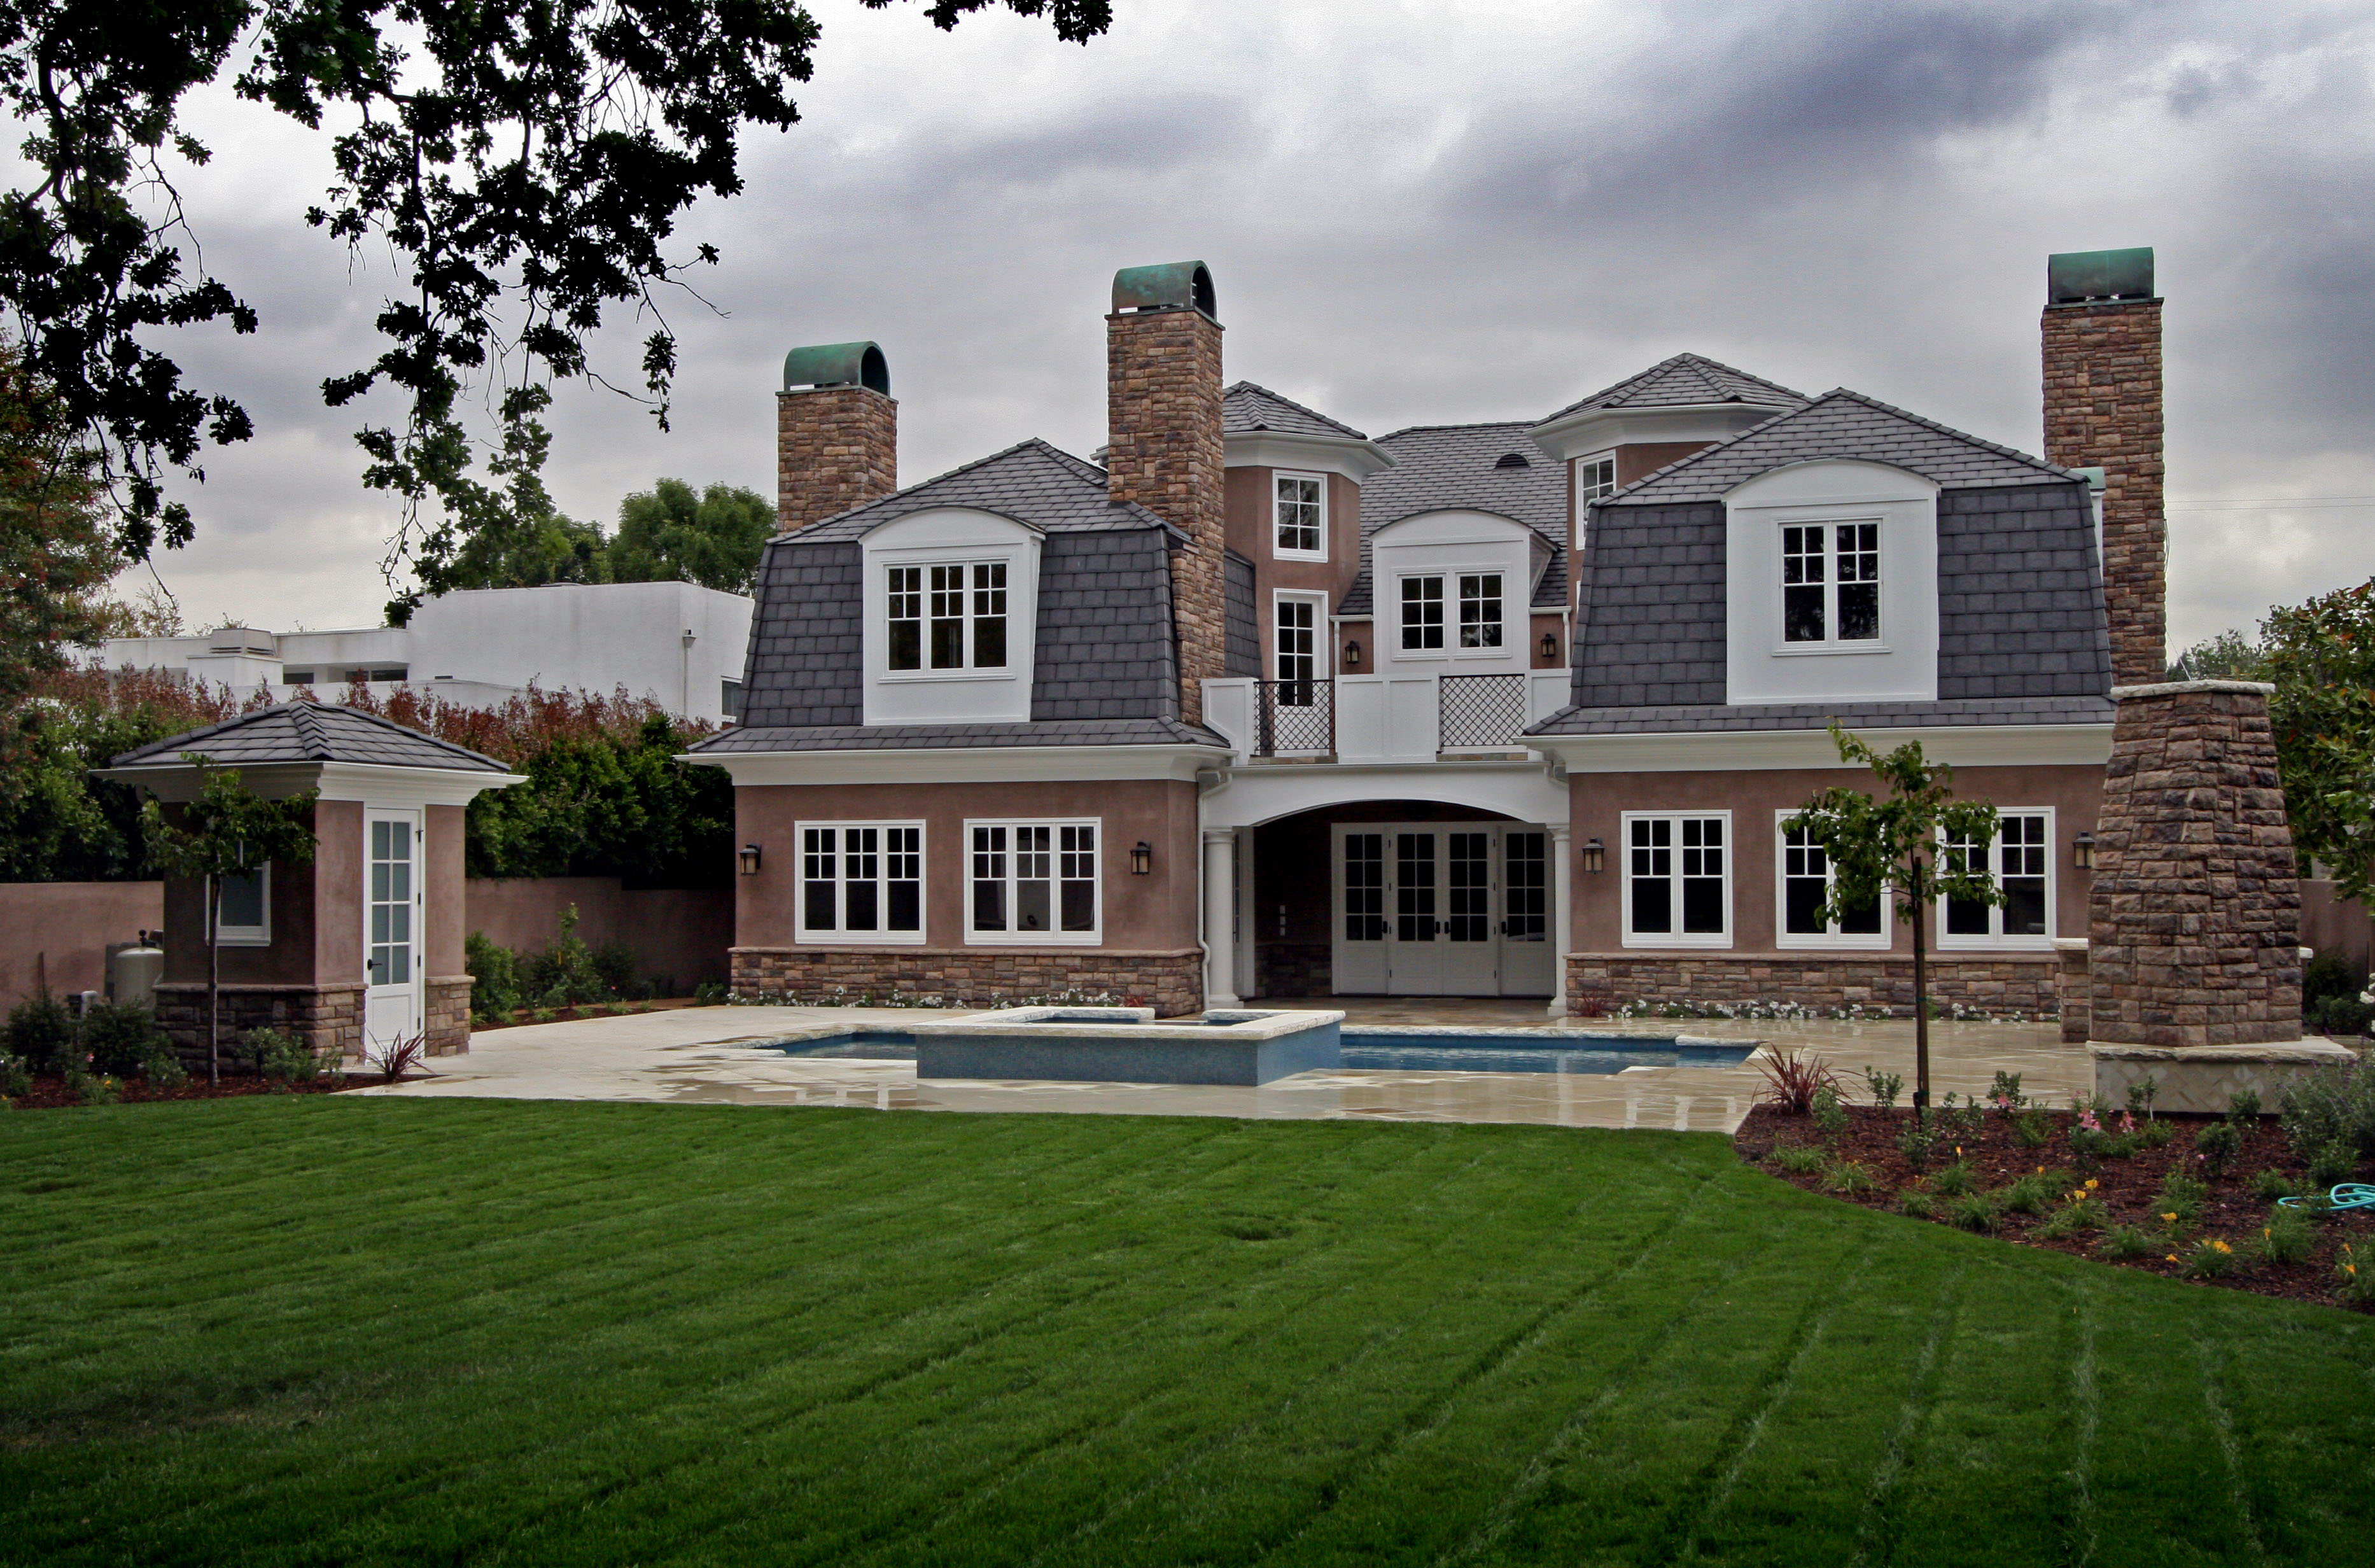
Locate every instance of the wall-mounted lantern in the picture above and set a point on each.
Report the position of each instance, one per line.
(1550, 647)
(2082, 850)
(1141, 858)
(749, 857)
(1352, 655)
(1595, 857)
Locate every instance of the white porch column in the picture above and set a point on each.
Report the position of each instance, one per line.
(1220, 917)
(1562, 915)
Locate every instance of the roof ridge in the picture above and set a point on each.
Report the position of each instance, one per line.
(1255, 386)
(1869, 401)
(1478, 425)
(1028, 442)
(1698, 365)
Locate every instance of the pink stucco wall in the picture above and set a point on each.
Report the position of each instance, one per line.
(65, 928)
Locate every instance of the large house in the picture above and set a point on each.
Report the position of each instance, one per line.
(1257, 705)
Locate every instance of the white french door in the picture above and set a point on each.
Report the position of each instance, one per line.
(1441, 909)
(392, 908)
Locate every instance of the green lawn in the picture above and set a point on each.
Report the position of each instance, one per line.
(316, 1330)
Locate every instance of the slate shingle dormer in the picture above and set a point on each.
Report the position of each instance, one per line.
(1245, 407)
(1441, 467)
(1684, 380)
(2021, 631)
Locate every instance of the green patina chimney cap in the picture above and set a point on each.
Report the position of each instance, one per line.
(1173, 286)
(838, 364)
(2074, 277)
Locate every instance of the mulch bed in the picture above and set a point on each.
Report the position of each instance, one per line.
(2233, 1213)
(521, 1017)
(51, 1093)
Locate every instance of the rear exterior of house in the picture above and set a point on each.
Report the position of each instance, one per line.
(1265, 707)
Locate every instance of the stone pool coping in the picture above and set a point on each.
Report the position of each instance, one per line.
(1137, 1023)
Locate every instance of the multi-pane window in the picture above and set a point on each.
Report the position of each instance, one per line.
(2021, 858)
(1364, 887)
(1032, 882)
(1468, 875)
(1414, 887)
(1677, 880)
(1830, 582)
(389, 954)
(1806, 878)
(1300, 514)
(1298, 645)
(951, 617)
(1480, 609)
(1594, 478)
(1525, 886)
(1422, 613)
(862, 881)
(243, 907)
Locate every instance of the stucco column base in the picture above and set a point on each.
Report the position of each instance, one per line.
(2205, 1078)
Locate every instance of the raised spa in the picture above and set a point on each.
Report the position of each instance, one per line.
(1127, 1045)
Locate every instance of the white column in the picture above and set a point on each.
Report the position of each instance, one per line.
(1562, 915)
(1220, 917)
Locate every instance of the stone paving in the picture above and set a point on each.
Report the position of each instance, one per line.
(720, 1055)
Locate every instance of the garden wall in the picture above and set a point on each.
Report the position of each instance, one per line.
(66, 929)
(677, 934)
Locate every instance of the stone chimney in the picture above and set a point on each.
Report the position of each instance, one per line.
(837, 433)
(2103, 410)
(1164, 452)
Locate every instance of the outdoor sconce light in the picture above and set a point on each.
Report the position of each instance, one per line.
(1352, 655)
(1141, 859)
(748, 856)
(1595, 857)
(1550, 647)
(2082, 850)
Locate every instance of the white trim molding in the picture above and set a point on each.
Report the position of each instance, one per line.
(885, 853)
(1726, 850)
(1061, 853)
(1355, 460)
(966, 764)
(1963, 746)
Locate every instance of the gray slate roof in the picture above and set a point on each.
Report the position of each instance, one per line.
(904, 737)
(1683, 381)
(1030, 481)
(1837, 424)
(312, 732)
(1682, 720)
(1441, 466)
(1245, 407)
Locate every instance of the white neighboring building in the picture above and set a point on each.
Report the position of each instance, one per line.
(678, 644)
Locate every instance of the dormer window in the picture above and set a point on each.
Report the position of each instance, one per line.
(952, 616)
(1830, 582)
(1299, 515)
(1480, 609)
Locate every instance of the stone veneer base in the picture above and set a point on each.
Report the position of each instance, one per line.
(1993, 983)
(1170, 981)
(2205, 1078)
(323, 1016)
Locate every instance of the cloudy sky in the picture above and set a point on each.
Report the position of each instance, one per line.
(1423, 211)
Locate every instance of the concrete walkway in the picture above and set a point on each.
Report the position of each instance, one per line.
(723, 1055)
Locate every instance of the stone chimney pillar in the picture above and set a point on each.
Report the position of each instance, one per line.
(836, 433)
(2101, 338)
(1164, 450)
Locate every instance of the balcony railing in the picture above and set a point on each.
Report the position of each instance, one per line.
(1293, 718)
(1482, 711)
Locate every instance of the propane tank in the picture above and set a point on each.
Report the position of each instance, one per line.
(132, 971)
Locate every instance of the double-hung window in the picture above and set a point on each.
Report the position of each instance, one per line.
(1032, 882)
(1480, 609)
(861, 882)
(1594, 478)
(1677, 879)
(948, 616)
(1421, 614)
(2021, 858)
(1807, 874)
(1299, 515)
(1830, 583)
(244, 908)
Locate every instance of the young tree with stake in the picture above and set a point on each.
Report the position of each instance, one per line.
(1900, 843)
(228, 831)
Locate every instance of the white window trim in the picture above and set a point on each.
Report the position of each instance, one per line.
(1852, 941)
(1094, 936)
(1276, 552)
(804, 937)
(967, 561)
(1582, 502)
(1323, 639)
(1996, 941)
(1831, 645)
(1624, 884)
(247, 936)
(1451, 648)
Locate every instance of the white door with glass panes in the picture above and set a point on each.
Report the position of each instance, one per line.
(1441, 909)
(391, 909)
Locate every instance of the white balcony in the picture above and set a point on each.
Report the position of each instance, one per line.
(1382, 718)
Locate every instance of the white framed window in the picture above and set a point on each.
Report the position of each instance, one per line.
(2021, 856)
(1301, 621)
(244, 909)
(1480, 611)
(1677, 887)
(861, 882)
(947, 616)
(1422, 606)
(1033, 881)
(1594, 476)
(1299, 516)
(1804, 876)
(1830, 585)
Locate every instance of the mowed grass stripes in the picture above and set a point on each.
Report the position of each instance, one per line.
(360, 1331)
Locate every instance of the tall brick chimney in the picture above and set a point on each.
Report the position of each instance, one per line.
(837, 433)
(2103, 410)
(1162, 402)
